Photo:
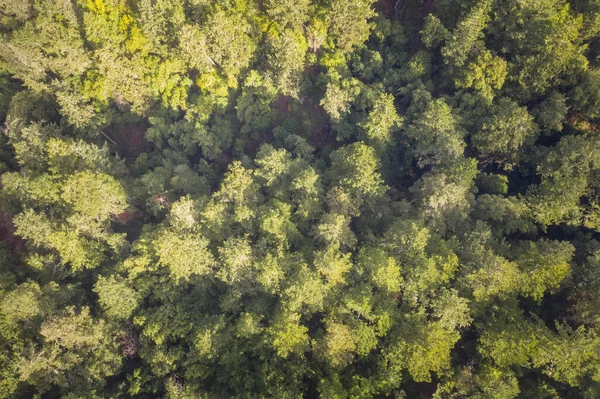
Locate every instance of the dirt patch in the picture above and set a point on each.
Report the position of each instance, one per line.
(129, 222)
(7, 233)
(283, 105)
(127, 217)
(578, 122)
(253, 145)
(324, 138)
(412, 15)
(387, 7)
(322, 135)
(129, 139)
(313, 122)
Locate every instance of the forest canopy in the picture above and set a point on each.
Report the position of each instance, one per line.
(300, 199)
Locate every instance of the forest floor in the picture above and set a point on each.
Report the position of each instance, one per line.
(129, 139)
(7, 233)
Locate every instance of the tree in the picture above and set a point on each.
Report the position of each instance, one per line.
(545, 265)
(287, 336)
(75, 250)
(288, 14)
(354, 169)
(466, 35)
(235, 203)
(382, 120)
(24, 303)
(503, 135)
(41, 48)
(236, 261)
(332, 265)
(160, 21)
(551, 113)
(505, 214)
(334, 229)
(338, 344)
(424, 348)
(551, 49)
(345, 199)
(78, 354)
(273, 164)
(348, 20)
(254, 104)
(184, 254)
(116, 297)
(383, 270)
(65, 200)
(307, 189)
(83, 191)
(434, 32)
(12, 347)
(564, 173)
(585, 95)
(286, 62)
(445, 199)
(230, 41)
(495, 277)
(338, 98)
(524, 341)
(436, 136)
(486, 73)
(194, 48)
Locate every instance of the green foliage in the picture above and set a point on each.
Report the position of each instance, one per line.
(424, 351)
(97, 196)
(334, 198)
(117, 299)
(382, 119)
(551, 113)
(541, 39)
(486, 73)
(286, 62)
(434, 32)
(490, 183)
(585, 95)
(354, 168)
(545, 264)
(23, 303)
(349, 23)
(254, 104)
(465, 37)
(287, 336)
(503, 135)
(229, 39)
(77, 355)
(437, 138)
(565, 174)
(12, 347)
(288, 13)
(523, 342)
(337, 99)
(184, 254)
